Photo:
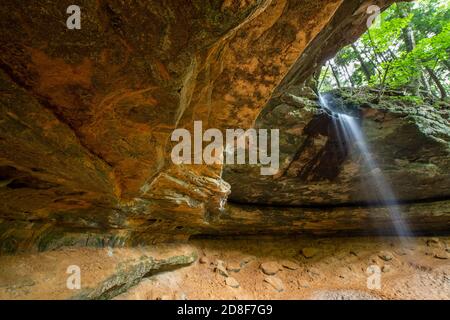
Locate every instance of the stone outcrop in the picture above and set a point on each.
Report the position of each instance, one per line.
(421, 218)
(324, 185)
(409, 141)
(86, 115)
(103, 273)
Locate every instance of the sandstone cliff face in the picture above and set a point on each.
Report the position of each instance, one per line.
(86, 115)
(409, 142)
(324, 186)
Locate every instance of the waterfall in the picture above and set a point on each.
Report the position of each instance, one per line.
(349, 131)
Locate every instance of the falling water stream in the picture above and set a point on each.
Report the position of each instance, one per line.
(348, 131)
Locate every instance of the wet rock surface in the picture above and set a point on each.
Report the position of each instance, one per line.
(410, 142)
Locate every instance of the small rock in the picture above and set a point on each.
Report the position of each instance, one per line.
(204, 260)
(270, 268)
(440, 254)
(275, 282)
(233, 267)
(386, 268)
(289, 265)
(309, 252)
(433, 242)
(163, 297)
(353, 253)
(246, 260)
(220, 268)
(385, 255)
(232, 282)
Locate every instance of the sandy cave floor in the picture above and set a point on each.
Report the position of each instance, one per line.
(337, 269)
(327, 268)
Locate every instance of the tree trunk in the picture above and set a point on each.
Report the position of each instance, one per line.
(323, 78)
(336, 76)
(364, 67)
(426, 85)
(447, 65)
(432, 94)
(371, 59)
(410, 43)
(379, 56)
(314, 83)
(437, 82)
(407, 32)
(348, 76)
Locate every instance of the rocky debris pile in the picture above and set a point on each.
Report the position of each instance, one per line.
(277, 274)
(148, 273)
(438, 249)
(275, 283)
(270, 268)
(339, 270)
(232, 282)
(288, 264)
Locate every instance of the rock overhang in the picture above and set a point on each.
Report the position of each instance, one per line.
(87, 114)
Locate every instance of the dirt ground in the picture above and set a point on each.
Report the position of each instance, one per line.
(46, 275)
(258, 268)
(308, 269)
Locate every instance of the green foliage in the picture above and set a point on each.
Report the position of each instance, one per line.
(411, 99)
(409, 50)
(427, 53)
(387, 35)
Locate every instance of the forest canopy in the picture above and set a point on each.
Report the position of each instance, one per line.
(407, 49)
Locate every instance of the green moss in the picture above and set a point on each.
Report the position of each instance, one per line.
(9, 245)
(130, 273)
(411, 99)
(49, 239)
